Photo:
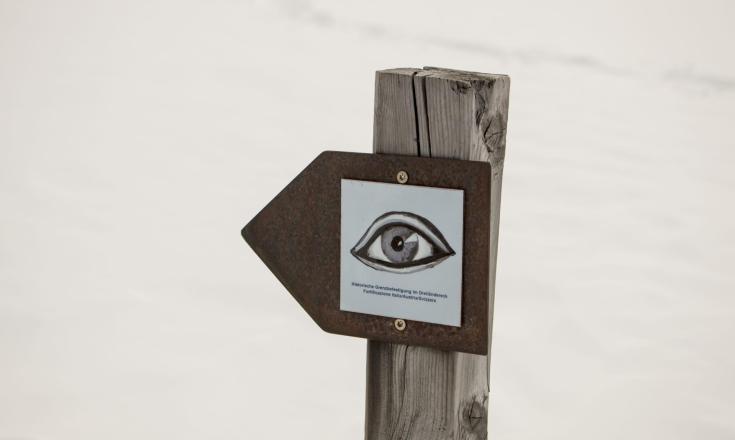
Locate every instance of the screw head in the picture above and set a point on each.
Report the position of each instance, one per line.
(400, 325)
(402, 177)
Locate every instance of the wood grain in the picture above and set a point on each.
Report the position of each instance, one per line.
(416, 392)
(395, 116)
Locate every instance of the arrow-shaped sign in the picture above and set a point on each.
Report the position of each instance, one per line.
(406, 277)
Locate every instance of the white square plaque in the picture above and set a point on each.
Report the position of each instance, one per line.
(401, 251)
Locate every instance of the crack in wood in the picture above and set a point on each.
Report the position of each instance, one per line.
(416, 114)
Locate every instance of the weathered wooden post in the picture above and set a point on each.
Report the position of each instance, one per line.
(414, 265)
(419, 392)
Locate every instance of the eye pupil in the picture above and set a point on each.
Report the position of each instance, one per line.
(397, 243)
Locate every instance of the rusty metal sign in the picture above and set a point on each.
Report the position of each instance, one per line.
(406, 277)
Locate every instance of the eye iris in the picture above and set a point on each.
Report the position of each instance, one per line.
(399, 244)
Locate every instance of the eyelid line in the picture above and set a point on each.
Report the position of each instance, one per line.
(415, 221)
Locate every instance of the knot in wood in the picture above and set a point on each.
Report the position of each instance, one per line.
(493, 135)
(474, 416)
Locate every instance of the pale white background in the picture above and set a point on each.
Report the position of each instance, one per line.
(137, 138)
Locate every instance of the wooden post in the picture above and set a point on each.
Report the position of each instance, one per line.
(415, 392)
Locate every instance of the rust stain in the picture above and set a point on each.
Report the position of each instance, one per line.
(297, 235)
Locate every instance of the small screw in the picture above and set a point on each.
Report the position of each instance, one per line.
(400, 325)
(402, 177)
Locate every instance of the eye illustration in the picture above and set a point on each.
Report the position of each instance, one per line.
(402, 242)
